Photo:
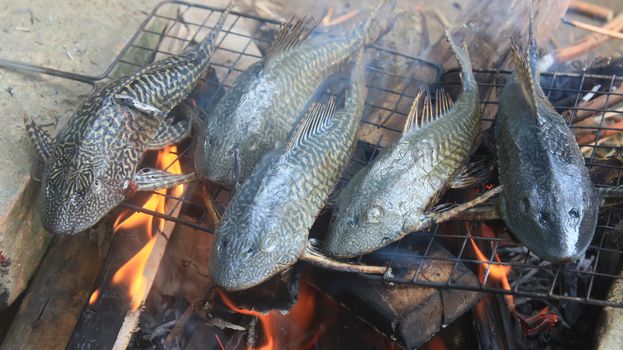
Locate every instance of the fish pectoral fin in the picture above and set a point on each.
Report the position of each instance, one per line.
(148, 179)
(453, 212)
(290, 35)
(315, 257)
(425, 108)
(132, 102)
(314, 122)
(40, 138)
(169, 134)
(474, 173)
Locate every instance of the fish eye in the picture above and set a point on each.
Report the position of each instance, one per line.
(249, 251)
(374, 214)
(525, 205)
(543, 218)
(574, 213)
(268, 244)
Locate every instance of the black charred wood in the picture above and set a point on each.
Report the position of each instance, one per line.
(409, 314)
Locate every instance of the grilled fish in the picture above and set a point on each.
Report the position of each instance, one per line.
(393, 196)
(91, 163)
(265, 227)
(270, 96)
(548, 202)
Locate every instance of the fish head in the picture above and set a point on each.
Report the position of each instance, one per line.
(227, 151)
(364, 220)
(235, 135)
(74, 198)
(250, 250)
(555, 225)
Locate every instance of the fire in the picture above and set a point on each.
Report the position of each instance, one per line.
(296, 323)
(94, 296)
(496, 272)
(131, 273)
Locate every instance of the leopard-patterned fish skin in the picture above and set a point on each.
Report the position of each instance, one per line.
(268, 98)
(94, 157)
(390, 197)
(264, 230)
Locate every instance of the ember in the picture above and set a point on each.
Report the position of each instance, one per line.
(294, 328)
(131, 274)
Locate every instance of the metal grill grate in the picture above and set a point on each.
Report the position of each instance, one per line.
(390, 95)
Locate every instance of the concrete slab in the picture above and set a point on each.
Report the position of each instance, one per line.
(76, 36)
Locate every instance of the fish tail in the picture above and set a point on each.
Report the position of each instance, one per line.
(207, 45)
(469, 81)
(526, 66)
(379, 22)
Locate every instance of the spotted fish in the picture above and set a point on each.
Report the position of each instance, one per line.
(264, 230)
(271, 95)
(396, 193)
(92, 162)
(548, 202)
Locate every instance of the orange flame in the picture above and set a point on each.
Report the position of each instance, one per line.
(131, 274)
(297, 322)
(94, 296)
(496, 272)
(435, 343)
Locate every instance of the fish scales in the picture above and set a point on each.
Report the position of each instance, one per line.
(390, 197)
(270, 97)
(94, 157)
(265, 227)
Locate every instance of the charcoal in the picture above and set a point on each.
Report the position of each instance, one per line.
(408, 313)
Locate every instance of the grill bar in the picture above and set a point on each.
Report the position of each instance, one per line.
(382, 124)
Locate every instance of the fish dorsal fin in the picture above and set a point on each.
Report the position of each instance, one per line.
(424, 109)
(291, 34)
(526, 66)
(314, 122)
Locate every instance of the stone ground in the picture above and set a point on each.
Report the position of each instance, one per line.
(84, 37)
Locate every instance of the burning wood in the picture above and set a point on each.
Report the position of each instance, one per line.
(111, 316)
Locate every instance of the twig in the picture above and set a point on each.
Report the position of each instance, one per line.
(588, 42)
(593, 136)
(208, 202)
(591, 9)
(593, 28)
(329, 21)
(179, 326)
(313, 256)
(592, 107)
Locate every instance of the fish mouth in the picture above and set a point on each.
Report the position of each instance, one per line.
(238, 278)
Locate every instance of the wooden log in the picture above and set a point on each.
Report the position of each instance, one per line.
(591, 9)
(54, 299)
(409, 313)
(487, 26)
(111, 315)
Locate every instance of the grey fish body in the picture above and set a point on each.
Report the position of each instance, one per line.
(390, 197)
(91, 163)
(264, 229)
(267, 100)
(548, 201)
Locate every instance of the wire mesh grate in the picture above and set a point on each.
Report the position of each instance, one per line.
(587, 101)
